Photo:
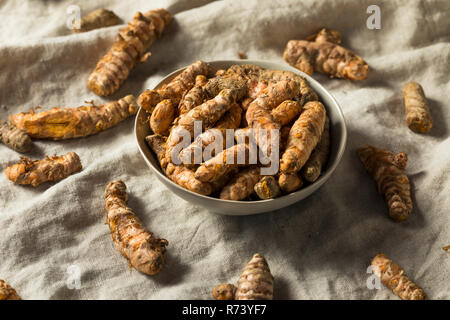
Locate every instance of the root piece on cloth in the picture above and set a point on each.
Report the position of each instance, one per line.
(319, 157)
(418, 116)
(267, 188)
(303, 137)
(162, 117)
(388, 171)
(241, 185)
(394, 277)
(176, 88)
(286, 112)
(96, 19)
(177, 173)
(29, 172)
(134, 242)
(67, 123)
(325, 57)
(224, 292)
(208, 113)
(223, 163)
(194, 96)
(14, 138)
(256, 281)
(290, 182)
(326, 35)
(7, 292)
(127, 50)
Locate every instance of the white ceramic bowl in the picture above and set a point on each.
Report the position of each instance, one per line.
(230, 207)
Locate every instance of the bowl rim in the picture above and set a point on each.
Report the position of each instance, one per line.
(323, 177)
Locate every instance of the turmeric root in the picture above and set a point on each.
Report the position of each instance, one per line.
(134, 242)
(193, 97)
(325, 57)
(256, 281)
(326, 35)
(222, 163)
(418, 116)
(14, 138)
(7, 292)
(388, 171)
(162, 117)
(267, 188)
(303, 137)
(177, 173)
(157, 143)
(446, 248)
(306, 92)
(259, 115)
(313, 167)
(67, 123)
(290, 182)
(39, 171)
(286, 112)
(176, 88)
(99, 18)
(127, 50)
(230, 120)
(208, 113)
(241, 185)
(224, 292)
(393, 277)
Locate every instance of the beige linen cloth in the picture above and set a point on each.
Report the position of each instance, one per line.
(319, 248)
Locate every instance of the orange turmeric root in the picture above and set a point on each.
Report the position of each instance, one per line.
(394, 277)
(7, 292)
(14, 138)
(241, 185)
(96, 19)
(29, 172)
(259, 115)
(193, 97)
(208, 113)
(325, 57)
(286, 112)
(176, 88)
(256, 281)
(303, 137)
(223, 163)
(134, 242)
(313, 167)
(127, 50)
(230, 120)
(177, 173)
(224, 292)
(67, 123)
(290, 182)
(267, 188)
(162, 117)
(388, 171)
(418, 116)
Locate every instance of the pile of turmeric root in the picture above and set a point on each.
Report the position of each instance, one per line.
(233, 109)
(206, 126)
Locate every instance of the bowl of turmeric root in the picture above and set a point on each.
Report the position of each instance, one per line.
(240, 137)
